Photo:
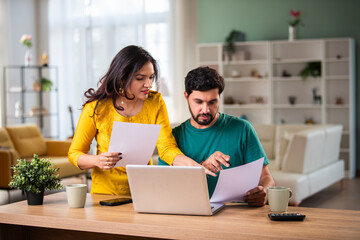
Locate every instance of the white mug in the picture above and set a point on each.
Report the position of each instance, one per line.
(76, 195)
(278, 198)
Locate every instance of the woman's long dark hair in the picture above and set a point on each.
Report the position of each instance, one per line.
(122, 69)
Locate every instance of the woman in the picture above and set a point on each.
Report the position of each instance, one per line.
(124, 95)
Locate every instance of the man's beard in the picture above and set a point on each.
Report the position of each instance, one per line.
(204, 122)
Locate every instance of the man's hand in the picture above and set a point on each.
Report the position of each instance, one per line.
(214, 162)
(256, 197)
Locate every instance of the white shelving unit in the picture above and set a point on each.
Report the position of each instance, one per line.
(262, 75)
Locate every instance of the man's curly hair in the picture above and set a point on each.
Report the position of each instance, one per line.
(203, 79)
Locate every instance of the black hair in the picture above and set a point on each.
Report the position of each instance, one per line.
(125, 64)
(203, 79)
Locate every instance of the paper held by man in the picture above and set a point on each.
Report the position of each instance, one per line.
(234, 183)
(135, 141)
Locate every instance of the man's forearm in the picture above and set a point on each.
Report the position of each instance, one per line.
(266, 180)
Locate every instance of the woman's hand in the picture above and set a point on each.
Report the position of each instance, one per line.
(108, 160)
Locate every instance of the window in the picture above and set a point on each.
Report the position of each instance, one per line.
(85, 35)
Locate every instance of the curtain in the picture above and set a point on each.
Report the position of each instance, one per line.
(184, 40)
(3, 46)
(84, 36)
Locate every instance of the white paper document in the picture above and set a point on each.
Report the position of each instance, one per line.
(234, 183)
(135, 141)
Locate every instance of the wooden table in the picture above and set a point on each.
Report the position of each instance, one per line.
(55, 220)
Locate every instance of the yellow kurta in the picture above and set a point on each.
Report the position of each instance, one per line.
(114, 181)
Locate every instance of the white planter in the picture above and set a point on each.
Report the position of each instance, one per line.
(27, 57)
(291, 33)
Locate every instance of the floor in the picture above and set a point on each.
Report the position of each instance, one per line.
(335, 198)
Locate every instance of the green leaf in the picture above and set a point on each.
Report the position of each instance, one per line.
(35, 175)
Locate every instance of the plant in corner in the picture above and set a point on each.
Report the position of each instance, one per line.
(34, 177)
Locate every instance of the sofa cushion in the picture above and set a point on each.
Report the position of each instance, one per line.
(27, 140)
(298, 183)
(65, 168)
(266, 134)
(5, 140)
(283, 136)
(333, 134)
(305, 151)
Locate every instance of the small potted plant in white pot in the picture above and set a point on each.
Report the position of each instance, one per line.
(34, 177)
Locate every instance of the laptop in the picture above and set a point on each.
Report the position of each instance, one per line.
(170, 190)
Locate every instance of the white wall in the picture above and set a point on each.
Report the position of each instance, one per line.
(21, 20)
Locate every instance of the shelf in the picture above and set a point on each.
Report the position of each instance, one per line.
(338, 106)
(337, 59)
(297, 106)
(30, 91)
(34, 116)
(271, 59)
(246, 62)
(29, 67)
(246, 106)
(294, 78)
(338, 77)
(18, 95)
(208, 63)
(296, 60)
(246, 79)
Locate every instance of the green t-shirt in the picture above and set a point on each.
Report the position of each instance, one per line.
(230, 135)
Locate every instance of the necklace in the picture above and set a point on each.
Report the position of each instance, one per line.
(130, 108)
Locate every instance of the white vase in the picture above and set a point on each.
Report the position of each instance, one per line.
(291, 33)
(27, 57)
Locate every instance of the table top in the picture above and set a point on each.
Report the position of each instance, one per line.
(235, 220)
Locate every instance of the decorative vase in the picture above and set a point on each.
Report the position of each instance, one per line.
(292, 100)
(35, 198)
(27, 57)
(291, 33)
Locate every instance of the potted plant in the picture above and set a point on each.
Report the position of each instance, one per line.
(311, 69)
(234, 36)
(44, 83)
(295, 21)
(34, 177)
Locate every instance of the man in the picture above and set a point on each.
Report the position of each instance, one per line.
(216, 140)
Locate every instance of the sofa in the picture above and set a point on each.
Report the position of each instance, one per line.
(304, 158)
(23, 141)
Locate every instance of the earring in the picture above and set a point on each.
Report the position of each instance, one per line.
(121, 91)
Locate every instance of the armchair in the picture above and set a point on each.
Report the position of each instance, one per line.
(25, 140)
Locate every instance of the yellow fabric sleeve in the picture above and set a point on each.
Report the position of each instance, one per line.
(166, 143)
(84, 134)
